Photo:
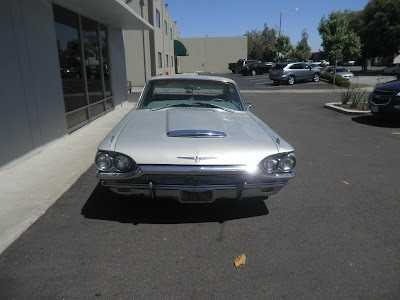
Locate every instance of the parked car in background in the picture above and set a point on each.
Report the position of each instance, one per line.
(193, 139)
(319, 67)
(340, 71)
(241, 62)
(392, 69)
(231, 66)
(256, 68)
(292, 72)
(385, 100)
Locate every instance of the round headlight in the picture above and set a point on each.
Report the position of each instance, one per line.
(270, 164)
(122, 163)
(103, 161)
(287, 162)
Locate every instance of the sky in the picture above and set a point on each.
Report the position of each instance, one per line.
(218, 18)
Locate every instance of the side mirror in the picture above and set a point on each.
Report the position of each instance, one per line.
(247, 106)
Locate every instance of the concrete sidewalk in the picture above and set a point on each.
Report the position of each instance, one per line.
(28, 189)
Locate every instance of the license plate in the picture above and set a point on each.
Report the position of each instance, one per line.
(196, 196)
(374, 108)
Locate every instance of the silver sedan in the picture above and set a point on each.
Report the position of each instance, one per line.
(193, 139)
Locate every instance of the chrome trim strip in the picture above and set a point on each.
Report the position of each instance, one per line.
(194, 170)
(145, 186)
(196, 133)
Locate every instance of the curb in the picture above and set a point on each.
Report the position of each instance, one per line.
(346, 111)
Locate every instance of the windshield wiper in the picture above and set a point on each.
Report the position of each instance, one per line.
(171, 105)
(214, 106)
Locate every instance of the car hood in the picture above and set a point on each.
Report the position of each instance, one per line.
(144, 137)
(391, 86)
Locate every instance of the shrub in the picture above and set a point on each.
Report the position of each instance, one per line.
(340, 81)
(354, 97)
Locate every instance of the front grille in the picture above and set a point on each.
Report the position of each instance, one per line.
(192, 179)
(384, 93)
(375, 100)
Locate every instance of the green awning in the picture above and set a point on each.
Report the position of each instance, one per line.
(180, 49)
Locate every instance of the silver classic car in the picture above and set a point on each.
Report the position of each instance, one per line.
(193, 139)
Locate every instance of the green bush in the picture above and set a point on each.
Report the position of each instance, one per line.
(340, 81)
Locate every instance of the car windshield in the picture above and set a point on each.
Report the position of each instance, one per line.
(191, 93)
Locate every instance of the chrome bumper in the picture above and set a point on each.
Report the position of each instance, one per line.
(196, 183)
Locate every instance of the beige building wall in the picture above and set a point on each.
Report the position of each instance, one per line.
(212, 54)
(137, 48)
(165, 32)
(150, 53)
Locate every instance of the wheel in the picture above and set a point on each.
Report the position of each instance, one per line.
(233, 71)
(394, 72)
(253, 72)
(290, 80)
(315, 77)
(276, 82)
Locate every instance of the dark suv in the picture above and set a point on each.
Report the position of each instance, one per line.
(291, 72)
(241, 62)
(256, 68)
(385, 99)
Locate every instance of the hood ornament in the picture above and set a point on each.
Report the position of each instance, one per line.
(196, 158)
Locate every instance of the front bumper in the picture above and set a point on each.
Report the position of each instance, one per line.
(196, 183)
(386, 104)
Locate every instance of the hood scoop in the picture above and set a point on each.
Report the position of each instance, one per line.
(196, 133)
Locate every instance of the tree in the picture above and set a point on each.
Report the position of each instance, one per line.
(282, 48)
(337, 37)
(260, 42)
(302, 50)
(381, 31)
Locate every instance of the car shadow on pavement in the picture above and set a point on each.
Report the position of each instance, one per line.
(106, 205)
(373, 121)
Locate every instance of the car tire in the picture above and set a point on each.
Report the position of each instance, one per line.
(276, 82)
(253, 72)
(393, 72)
(291, 80)
(315, 77)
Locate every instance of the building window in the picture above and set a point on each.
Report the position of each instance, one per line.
(158, 18)
(159, 60)
(172, 61)
(166, 60)
(170, 31)
(166, 27)
(83, 57)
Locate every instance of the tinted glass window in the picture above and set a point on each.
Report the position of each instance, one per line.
(92, 59)
(106, 64)
(158, 19)
(69, 53)
(84, 66)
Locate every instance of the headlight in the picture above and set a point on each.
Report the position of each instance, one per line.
(115, 162)
(287, 163)
(398, 94)
(270, 164)
(103, 161)
(280, 162)
(122, 163)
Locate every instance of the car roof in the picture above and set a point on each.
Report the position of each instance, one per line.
(191, 77)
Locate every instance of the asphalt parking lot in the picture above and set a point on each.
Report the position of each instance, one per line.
(332, 233)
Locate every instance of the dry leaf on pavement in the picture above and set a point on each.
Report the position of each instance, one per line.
(240, 260)
(345, 182)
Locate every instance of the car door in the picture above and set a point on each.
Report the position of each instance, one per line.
(307, 72)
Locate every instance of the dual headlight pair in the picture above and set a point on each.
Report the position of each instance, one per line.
(107, 161)
(279, 162)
